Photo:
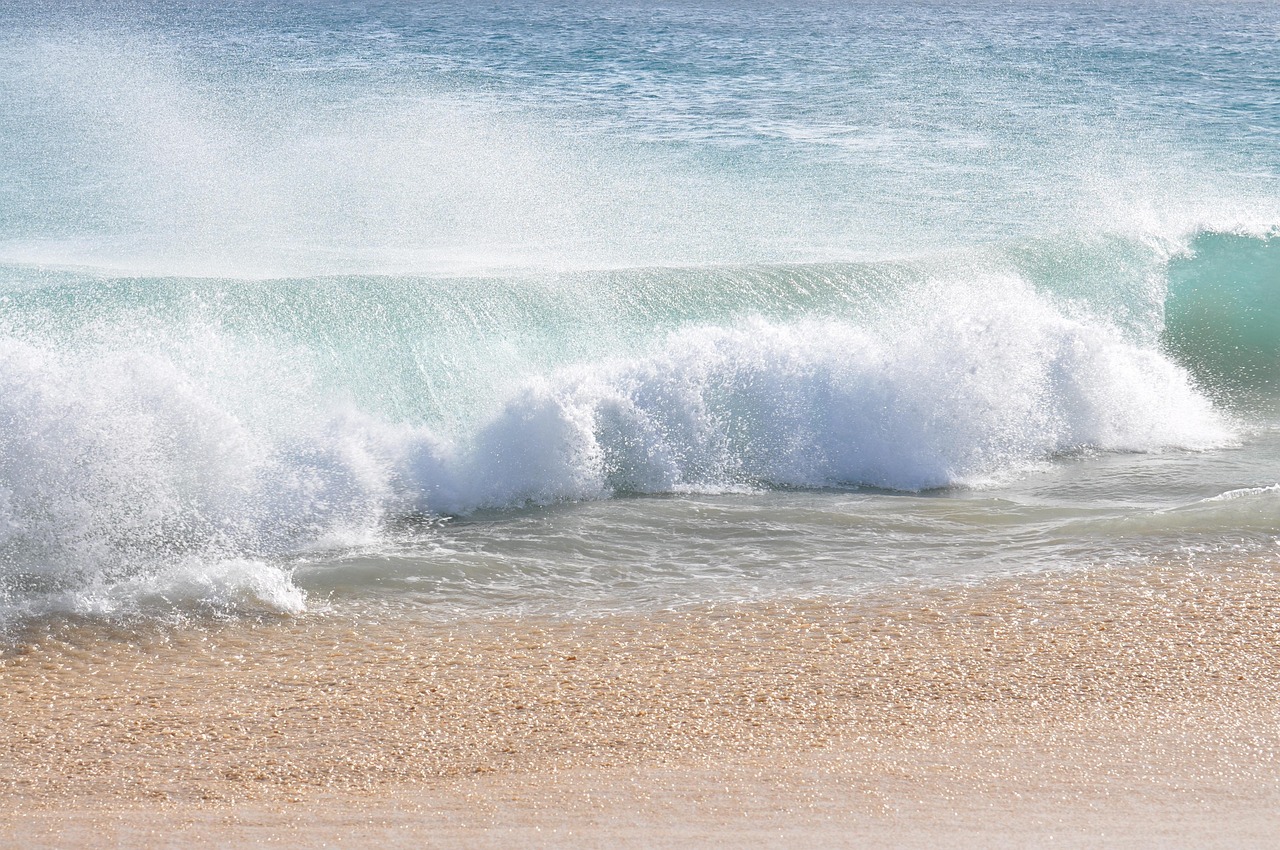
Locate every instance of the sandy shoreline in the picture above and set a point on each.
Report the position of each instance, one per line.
(1102, 708)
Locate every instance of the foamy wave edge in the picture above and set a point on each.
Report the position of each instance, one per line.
(123, 480)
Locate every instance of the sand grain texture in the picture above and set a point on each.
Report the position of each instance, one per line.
(1111, 708)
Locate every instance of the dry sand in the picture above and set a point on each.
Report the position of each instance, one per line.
(1086, 709)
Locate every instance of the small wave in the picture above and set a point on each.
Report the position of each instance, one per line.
(1243, 492)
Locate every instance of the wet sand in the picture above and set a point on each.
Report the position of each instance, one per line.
(1086, 709)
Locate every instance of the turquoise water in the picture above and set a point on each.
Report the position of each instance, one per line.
(579, 307)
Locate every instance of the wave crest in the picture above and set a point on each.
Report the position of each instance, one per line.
(115, 467)
(958, 396)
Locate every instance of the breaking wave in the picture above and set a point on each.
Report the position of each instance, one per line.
(141, 463)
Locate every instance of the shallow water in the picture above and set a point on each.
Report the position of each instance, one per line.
(1200, 510)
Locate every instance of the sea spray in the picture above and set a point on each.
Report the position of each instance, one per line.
(119, 466)
(345, 297)
(959, 392)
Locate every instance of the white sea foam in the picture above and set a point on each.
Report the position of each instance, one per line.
(135, 478)
(124, 485)
(958, 389)
(1243, 492)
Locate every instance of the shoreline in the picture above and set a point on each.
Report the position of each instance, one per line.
(1142, 706)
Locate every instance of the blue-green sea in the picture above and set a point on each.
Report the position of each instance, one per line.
(578, 307)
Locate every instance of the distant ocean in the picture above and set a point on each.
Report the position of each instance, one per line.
(570, 308)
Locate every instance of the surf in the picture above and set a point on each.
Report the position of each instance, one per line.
(231, 427)
(283, 287)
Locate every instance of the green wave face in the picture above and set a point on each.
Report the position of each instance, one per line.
(1222, 317)
(447, 352)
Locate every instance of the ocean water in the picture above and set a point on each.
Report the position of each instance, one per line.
(582, 307)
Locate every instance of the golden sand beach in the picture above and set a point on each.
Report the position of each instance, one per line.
(1101, 708)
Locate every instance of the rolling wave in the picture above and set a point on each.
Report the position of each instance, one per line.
(149, 450)
(279, 279)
